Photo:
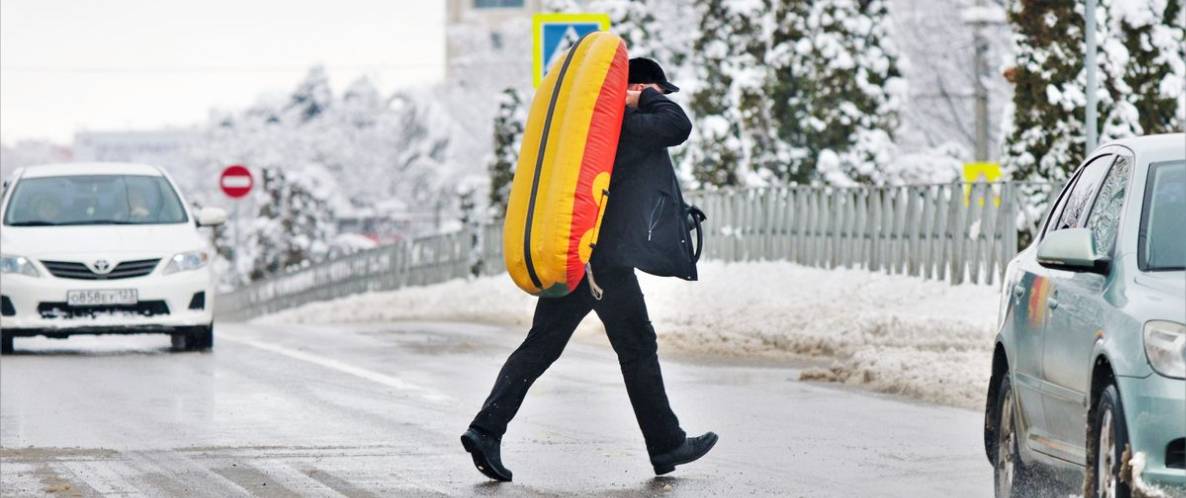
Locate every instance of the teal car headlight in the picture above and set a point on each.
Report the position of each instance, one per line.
(1165, 346)
(186, 261)
(18, 265)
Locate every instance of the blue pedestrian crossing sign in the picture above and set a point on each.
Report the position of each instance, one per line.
(554, 34)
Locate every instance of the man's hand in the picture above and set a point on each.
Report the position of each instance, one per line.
(634, 90)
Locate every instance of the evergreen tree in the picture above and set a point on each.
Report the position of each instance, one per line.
(837, 90)
(312, 96)
(1046, 126)
(508, 135)
(717, 149)
(1145, 57)
(765, 152)
(293, 225)
(1141, 84)
(634, 22)
(789, 87)
(1045, 140)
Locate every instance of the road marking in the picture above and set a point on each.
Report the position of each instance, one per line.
(330, 363)
(293, 479)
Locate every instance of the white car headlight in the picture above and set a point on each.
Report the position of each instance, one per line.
(1165, 346)
(18, 264)
(186, 261)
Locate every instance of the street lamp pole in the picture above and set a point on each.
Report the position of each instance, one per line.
(1090, 67)
(979, 17)
(981, 90)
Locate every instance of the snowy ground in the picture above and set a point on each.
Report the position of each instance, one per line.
(925, 340)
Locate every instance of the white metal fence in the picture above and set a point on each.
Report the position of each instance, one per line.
(958, 232)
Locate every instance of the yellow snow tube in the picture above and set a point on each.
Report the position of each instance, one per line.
(562, 178)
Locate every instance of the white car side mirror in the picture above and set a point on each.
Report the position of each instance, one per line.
(211, 216)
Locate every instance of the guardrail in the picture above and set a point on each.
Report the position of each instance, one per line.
(420, 261)
(957, 232)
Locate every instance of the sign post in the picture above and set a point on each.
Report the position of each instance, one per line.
(236, 182)
(553, 34)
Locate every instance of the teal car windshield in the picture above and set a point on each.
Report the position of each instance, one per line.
(94, 200)
(1162, 241)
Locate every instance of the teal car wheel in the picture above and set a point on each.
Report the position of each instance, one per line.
(1109, 438)
(1010, 477)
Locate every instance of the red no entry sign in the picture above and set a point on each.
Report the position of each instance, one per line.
(236, 181)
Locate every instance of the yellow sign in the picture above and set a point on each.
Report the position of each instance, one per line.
(553, 34)
(981, 172)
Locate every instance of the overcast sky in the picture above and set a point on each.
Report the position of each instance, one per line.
(133, 64)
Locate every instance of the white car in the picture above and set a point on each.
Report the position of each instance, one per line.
(104, 248)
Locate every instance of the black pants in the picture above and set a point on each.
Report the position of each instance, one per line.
(624, 314)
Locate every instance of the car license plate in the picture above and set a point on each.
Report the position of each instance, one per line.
(92, 297)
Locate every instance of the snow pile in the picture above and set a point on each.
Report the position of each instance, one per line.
(894, 334)
(1140, 488)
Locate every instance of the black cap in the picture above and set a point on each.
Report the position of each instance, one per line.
(644, 70)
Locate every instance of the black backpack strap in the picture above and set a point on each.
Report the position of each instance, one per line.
(698, 217)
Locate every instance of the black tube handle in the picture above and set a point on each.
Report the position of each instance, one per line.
(698, 217)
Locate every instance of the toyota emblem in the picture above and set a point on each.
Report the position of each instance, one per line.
(102, 266)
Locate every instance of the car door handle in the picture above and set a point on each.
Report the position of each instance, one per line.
(1052, 303)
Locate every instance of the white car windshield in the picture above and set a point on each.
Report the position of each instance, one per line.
(93, 200)
(1162, 240)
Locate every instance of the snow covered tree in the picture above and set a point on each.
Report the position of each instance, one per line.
(717, 150)
(634, 21)
(293, 225)
(1145, 56)
(312, 96)
(765, 155)
(1141, 84)
(1047, 131)
(508, 136)
(838, 90)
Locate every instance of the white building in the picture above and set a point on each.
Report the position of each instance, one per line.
(491, 11)
(500, 24)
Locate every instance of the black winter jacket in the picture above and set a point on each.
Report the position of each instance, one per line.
(646, 223)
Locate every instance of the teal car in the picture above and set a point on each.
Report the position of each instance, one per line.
(1089, 368)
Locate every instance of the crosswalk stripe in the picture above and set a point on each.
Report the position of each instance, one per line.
(294, 479)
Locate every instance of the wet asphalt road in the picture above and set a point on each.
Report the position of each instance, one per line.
(376, 411)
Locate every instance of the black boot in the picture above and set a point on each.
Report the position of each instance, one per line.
(485, 450)
(692, 449)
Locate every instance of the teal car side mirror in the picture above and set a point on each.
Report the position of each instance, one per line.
(1072, 249)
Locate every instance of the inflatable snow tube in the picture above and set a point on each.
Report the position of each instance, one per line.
(562, 178)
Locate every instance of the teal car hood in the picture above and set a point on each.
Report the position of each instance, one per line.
(1162, 294)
